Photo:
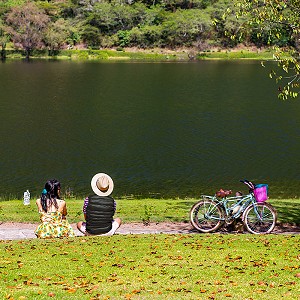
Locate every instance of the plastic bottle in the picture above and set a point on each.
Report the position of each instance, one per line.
(236, 209)
(26, 198)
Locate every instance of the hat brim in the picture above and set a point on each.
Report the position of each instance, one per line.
(95, 188)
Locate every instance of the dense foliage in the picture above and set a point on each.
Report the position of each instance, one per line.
(126, 23)
(277, 22)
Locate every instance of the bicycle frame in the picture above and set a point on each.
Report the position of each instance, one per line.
(229, 204)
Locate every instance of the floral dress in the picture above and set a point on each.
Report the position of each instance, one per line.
(53, 226)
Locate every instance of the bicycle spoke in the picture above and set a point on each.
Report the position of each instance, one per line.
(205, 216)
(260, 218)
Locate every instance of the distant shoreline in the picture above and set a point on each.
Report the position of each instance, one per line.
(134, 54)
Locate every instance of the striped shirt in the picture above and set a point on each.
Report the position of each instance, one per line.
(86, 202)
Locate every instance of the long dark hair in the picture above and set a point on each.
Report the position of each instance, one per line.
(50, 194)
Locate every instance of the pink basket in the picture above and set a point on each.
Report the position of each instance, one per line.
(261, 193)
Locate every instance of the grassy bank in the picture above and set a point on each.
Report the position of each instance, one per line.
(153, 210)
(145, 267)
(144, 55)
(241, 54)
(196, 266)
(100, 55)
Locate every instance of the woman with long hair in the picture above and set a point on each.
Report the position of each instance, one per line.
(53, 212)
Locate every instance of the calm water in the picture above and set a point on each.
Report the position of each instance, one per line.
(159, 129)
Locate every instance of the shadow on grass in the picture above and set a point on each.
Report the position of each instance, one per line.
(186, 205)
(287, 212)
(179, 211)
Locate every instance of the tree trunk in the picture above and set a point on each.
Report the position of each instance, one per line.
(27, 53)
(3, 54)
(297, 42)
(3, 51)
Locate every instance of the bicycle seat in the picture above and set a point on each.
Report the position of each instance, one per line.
(222, 194)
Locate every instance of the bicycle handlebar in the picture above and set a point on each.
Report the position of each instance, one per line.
(249, 184)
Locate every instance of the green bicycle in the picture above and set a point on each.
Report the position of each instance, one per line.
(212, 212)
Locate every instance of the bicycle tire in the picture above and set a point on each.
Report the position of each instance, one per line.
(264, 222)
(205, 216)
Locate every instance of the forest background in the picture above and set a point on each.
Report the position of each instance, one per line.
(199, 24)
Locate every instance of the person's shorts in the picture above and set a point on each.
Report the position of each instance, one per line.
(115, 226)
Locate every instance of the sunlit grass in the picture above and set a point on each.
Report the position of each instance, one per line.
(199, 266)
(137, 210)
(145, 55)
(242, 54)
(129, 210)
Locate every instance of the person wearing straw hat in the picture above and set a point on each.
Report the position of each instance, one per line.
(99, 209)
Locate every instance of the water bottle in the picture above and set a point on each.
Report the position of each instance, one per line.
(26, 198)
(236, 209)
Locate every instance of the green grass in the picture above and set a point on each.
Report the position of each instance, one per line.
(128, 210)
(243, 54)
(158, 266)
(199, 266)
(88, 54)
(138, 210)
(147, 55)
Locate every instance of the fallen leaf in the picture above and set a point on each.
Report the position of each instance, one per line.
(260, 291)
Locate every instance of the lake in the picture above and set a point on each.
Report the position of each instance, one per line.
(159, 129)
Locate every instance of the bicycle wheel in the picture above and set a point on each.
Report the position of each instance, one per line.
(260, 218)
(205, 216)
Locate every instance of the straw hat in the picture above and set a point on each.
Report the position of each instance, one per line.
(102, 184)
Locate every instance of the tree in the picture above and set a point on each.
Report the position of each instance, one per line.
(91, 36)
(110, 18)
(4, 38)
(6, 5)
(186, 26)
(278, 18)
(56, 35)
(227, 28)
(27, 24)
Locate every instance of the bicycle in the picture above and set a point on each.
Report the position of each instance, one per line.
(212, 212)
